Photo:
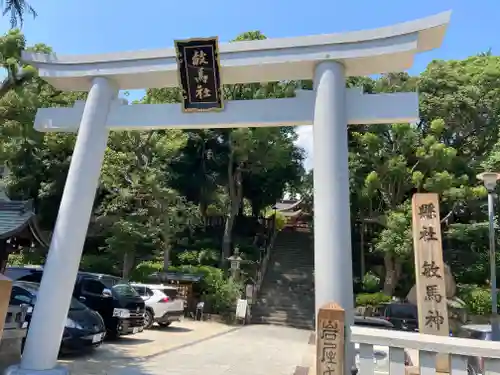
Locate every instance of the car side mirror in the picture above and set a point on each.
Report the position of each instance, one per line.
(107, 293)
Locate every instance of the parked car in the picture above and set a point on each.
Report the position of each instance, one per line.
(113, 298)
(84, 328)
(475, 365)
(404, 316)
(380, 353)
(162, 304)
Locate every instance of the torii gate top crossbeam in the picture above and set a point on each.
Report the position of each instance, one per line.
(387, 49)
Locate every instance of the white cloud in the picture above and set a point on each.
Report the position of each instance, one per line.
(306, 142)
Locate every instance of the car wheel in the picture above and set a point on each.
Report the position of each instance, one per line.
(148, 319)
(164, 325)
(112, 334)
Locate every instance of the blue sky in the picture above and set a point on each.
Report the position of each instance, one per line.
(98, 26)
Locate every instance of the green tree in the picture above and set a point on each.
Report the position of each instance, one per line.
(243, 161)
(38, 162)
(404, 161)
(142, 211)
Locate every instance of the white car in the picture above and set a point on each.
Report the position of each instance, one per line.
(162, 304)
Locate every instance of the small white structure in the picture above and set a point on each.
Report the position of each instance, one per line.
(326, 59)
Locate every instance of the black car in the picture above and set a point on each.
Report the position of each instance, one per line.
(84, 328)
(113, 298)
(368, 321)
(404, 316)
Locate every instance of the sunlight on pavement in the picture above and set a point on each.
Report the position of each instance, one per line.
(129, 353)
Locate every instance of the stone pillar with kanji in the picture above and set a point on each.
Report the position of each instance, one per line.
(330, 352)
(429, 270)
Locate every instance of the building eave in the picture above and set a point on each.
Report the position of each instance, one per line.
(14, 217)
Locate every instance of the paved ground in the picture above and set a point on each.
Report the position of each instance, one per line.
(193, 348)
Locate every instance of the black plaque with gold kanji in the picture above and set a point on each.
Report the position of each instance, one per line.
(199, 74)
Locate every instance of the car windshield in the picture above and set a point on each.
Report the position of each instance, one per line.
(120, 287)
(479, 335)
(373, 323)
(403, 311)
(74, 304)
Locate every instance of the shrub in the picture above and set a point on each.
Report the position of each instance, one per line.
(280, 219)
(218, 291)
(224, 297)
(372, 299)
(144, 269)
(26, 257)
(371, 282)
(477, 299)
(198, 257)
(100, 264)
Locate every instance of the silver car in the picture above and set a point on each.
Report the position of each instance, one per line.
(475, 365)
(162, 304)
(380, 353)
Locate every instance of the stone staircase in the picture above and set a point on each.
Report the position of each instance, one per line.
(287, 293)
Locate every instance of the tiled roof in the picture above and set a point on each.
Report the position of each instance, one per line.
(286, 205)
(176, 276)
(14, 216)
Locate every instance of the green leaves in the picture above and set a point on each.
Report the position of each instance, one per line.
(148, 211)
(396, 238)
(155, 185)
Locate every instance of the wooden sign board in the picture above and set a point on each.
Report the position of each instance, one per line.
(241, 309)
(429, 270)
(330, 340)
(199, 74)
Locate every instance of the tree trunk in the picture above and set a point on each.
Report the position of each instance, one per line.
(166, 257)
(203, 210)
(235, 194)
(226, 240)
(393, 268)
(128, 264)
(166, 237)
(362, 255)
(228, 231)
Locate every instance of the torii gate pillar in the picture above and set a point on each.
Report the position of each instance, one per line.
(332, 225)
(327, 59)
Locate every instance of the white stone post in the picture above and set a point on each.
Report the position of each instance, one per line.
(49, 317)
(332, 222)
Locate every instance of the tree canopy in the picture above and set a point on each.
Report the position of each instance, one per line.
(159, 190)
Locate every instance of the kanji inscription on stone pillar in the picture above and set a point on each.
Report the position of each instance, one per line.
(429, 270)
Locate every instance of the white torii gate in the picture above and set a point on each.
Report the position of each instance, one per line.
(327, 59)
